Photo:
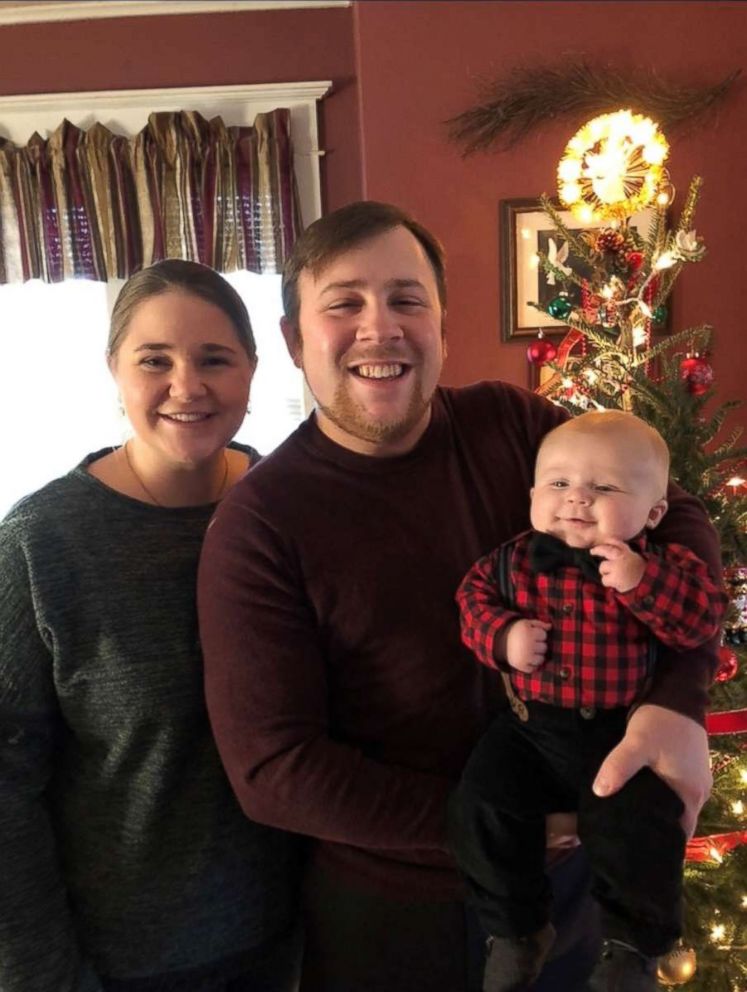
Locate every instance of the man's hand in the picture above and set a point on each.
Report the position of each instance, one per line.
(671, 745)
(622, 569)
(526, 644)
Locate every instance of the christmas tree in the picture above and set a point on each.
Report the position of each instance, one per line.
(615, 281)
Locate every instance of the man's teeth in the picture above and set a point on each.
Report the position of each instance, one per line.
(186, 418)
(380, 371)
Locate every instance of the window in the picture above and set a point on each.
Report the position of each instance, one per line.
(57, 399)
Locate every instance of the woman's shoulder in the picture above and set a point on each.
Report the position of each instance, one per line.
(54, 501)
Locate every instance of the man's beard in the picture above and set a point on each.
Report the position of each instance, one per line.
(352, 418)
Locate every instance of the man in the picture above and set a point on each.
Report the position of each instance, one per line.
(342, 701)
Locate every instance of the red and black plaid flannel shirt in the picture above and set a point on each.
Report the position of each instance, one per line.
(599, 643)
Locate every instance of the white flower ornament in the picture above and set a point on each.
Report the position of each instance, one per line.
(687, 246)
(557, 257)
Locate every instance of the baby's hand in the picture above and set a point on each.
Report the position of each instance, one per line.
(526, 645)
(622, 569)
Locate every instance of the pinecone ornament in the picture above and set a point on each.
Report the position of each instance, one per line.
(609, 241)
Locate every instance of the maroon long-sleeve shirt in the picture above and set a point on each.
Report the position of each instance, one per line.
(342, 700)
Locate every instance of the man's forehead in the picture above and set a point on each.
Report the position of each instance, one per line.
(395, 254)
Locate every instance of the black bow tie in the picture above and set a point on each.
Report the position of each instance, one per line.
(547, 553)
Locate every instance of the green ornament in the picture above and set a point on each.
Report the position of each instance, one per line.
(659, 315)
(560, 307)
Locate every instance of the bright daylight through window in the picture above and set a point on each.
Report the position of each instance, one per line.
(58, 400)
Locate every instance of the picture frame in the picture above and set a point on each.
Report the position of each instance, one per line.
(525, 229)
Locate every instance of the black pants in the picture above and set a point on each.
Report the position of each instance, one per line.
(358, 940)
(517, 774)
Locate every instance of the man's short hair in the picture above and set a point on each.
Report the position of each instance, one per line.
(330, 236)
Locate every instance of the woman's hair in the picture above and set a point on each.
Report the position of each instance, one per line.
(334, 234)
(180, 276)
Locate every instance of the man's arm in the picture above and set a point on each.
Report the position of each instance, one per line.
(38, 946)
(268, 695)
(666, 732)
(686, 522)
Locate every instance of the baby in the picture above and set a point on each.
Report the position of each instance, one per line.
(570, 614)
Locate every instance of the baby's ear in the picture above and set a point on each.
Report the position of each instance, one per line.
(656, 512)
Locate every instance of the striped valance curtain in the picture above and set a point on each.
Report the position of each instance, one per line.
(96, 205)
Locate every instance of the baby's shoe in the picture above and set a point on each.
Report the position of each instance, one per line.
(514, 962)
(622, 968)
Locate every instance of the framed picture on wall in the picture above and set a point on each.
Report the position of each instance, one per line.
(525, 230)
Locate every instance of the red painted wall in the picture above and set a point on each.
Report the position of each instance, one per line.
(420, 63)
(216, 49)
(399, 70)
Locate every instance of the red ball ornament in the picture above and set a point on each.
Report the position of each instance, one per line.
(634, 260)
(696, 373)
(728, 664)
(541, 351)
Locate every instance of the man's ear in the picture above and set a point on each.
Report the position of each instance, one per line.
(656, 512)
(292, 340)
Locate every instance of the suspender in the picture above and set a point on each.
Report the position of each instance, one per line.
(506, 588)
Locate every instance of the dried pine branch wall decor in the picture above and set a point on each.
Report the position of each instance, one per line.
(513, 106)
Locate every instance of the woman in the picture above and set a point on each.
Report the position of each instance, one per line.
(126, 863)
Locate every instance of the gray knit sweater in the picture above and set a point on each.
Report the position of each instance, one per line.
(123, 852)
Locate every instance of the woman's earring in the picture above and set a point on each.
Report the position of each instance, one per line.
(249, 408)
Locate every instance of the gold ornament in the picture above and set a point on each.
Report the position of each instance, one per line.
(612, 167)
(677, 967)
